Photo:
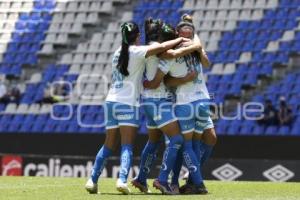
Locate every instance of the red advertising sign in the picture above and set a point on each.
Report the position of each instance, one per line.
(11, 165)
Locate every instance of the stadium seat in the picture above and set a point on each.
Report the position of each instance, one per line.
(259, 130)
(284, 130)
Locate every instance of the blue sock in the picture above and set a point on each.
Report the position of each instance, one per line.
(206, 152)
(147, 158)
(177, 167)
(192, 163)
(199, 153)
(169, 158)
(100, 162)
(198, 149)
(126, 161)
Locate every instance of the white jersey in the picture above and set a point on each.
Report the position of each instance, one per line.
(180, 67)
(127, 89)
(152, 63)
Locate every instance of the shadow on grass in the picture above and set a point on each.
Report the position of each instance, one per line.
(133, 194)
(153, 194)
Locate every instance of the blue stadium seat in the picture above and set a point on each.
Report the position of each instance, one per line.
(259, 130)
(233, 130)
(221, 129)
(284, 130)
(251, 79)
(296, 130)
(247, 129)
(272, 130)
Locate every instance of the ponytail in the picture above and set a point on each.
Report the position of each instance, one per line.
(124, 59)
(130, 33)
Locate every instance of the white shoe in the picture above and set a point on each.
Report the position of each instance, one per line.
(122, 187)
(186, 176)
(91, 187)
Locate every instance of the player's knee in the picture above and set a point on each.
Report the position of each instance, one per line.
(210, 137)
(214, 140)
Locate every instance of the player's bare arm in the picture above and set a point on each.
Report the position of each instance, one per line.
(171, 81)
(186, 47)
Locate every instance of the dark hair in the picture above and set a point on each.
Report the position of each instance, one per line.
(167, 33)
(130, 32)
(186, 20)
(152, 29)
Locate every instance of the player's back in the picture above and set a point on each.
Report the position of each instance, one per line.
(151, 68)
(126, 89)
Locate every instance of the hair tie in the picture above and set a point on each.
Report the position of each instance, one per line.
(128, 27)
(124, 27)
(167, 29)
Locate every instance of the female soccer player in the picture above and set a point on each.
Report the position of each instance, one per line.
(204, 137)
(191, 108)
(160, 118)
(122, 102)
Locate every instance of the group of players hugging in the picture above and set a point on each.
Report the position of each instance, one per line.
(165, 78)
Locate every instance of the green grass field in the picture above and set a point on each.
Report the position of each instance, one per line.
(30, 188)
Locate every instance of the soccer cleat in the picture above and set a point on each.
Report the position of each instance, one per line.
(175, 188)
(192, 189)
(122, 187)
(186, 189)
(200, 189)
(143, 187)
(91, 187)
(163, 187)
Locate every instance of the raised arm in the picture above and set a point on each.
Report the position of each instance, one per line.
(159, 48)
(203, 56)
(185, 50)
(171, 81)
